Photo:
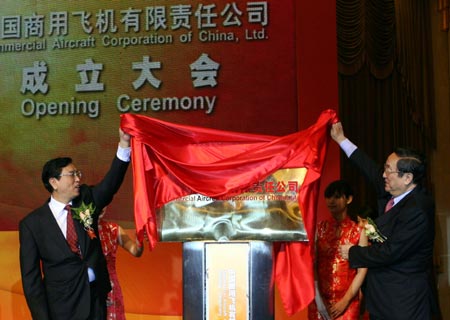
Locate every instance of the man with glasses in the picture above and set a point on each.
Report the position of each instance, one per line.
(64, 274)
(398, 281)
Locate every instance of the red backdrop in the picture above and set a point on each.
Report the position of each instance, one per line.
(152, 284)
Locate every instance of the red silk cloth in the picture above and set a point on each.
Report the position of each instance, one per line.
(172, 160)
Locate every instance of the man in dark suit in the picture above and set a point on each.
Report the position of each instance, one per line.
(61, 283)
(398, 283)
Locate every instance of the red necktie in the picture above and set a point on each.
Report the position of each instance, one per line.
(71, 233)
(389, 205)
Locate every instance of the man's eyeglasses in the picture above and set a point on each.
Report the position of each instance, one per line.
(388, 170)
(76, 173)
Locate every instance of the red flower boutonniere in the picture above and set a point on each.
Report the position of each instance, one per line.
(372, 231)
(84, 215)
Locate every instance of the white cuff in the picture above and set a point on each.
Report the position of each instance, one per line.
(124, 154)
(348, 147)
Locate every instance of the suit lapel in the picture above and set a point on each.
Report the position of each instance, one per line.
(52, 227)
(385, 221)
(82, 240)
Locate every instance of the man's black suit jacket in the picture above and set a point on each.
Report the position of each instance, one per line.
(55, 280)
(398, 279)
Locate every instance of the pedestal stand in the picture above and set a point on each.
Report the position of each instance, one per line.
(227, 280)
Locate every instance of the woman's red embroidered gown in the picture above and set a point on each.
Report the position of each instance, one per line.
(334, 273)
(109, 233)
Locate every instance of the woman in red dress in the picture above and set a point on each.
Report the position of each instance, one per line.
(337, 290)
(111, 236)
